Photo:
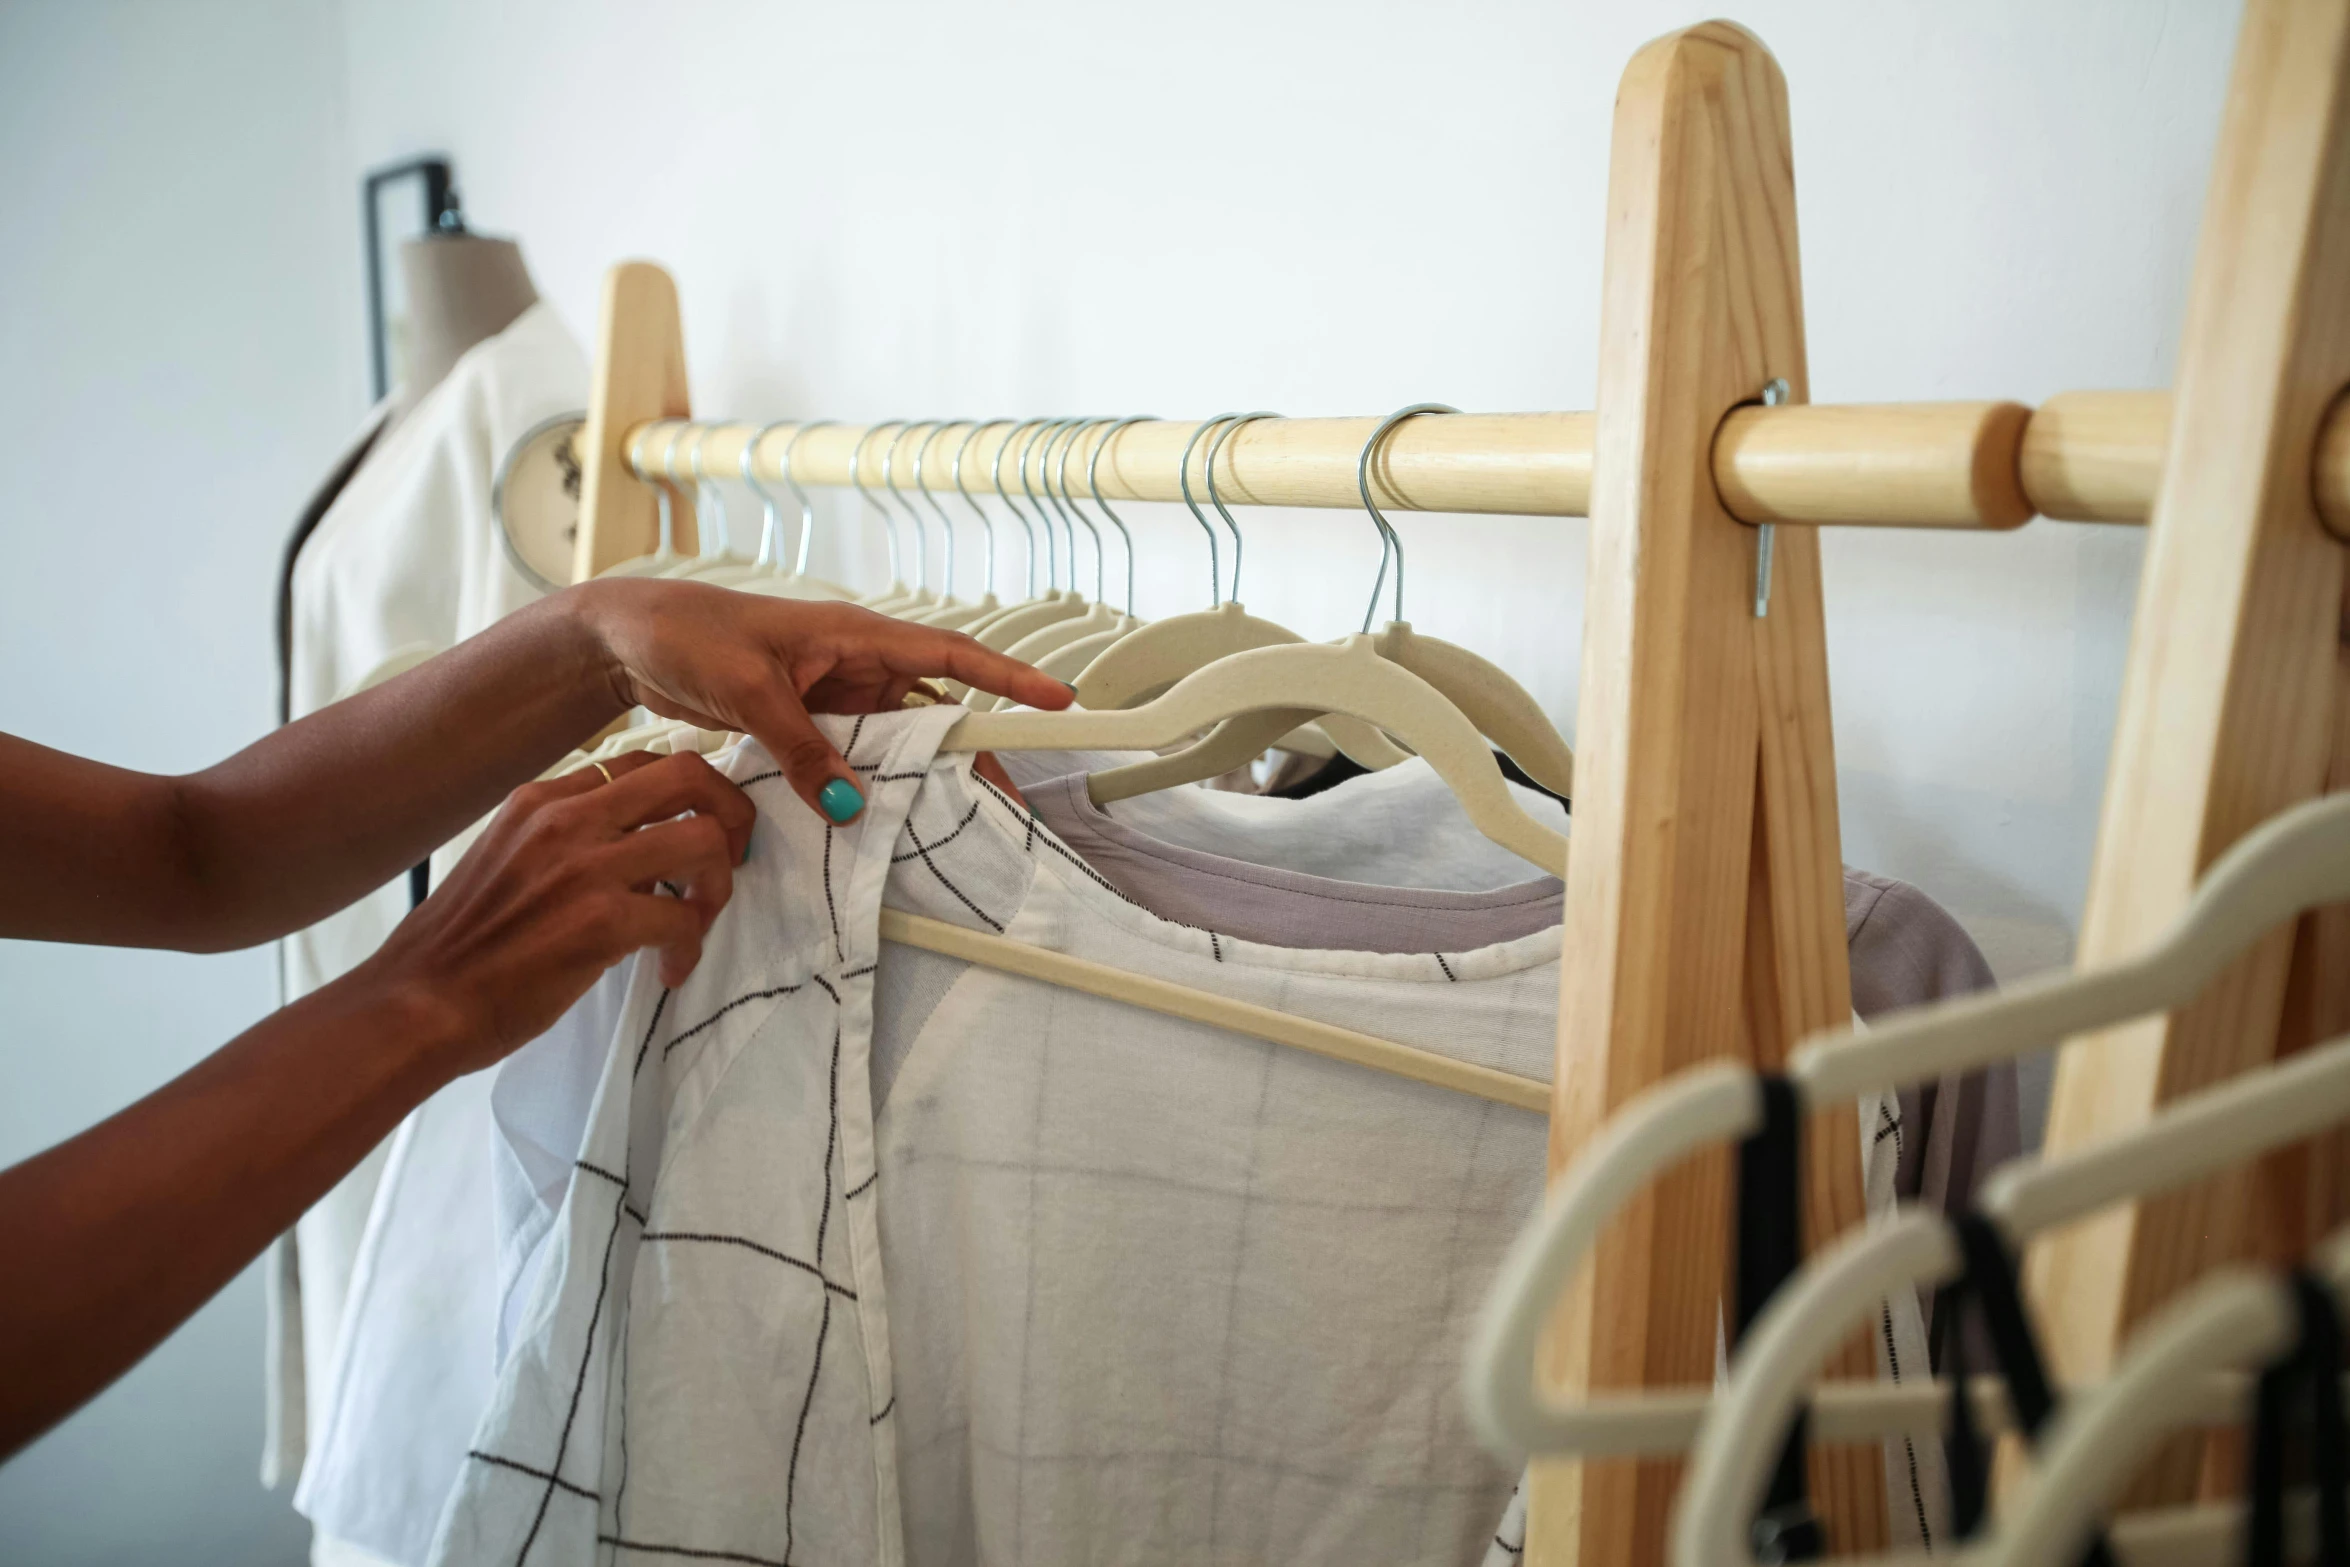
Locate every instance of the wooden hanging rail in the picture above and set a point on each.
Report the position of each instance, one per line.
(2080, 457)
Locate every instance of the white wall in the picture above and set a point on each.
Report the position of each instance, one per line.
(931, 209)
(183, 348)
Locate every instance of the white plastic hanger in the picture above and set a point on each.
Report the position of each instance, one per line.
(2298, 860)
(768, 576)
(1349, 678)
(1816, 1311)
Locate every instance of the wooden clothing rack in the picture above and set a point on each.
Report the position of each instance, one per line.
(1704, 907)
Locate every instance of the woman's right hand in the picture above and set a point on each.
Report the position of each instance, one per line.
(572, 875)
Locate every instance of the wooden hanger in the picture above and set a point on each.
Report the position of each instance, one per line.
(2297, 862)
(1217, 1011)
(1349, 678)
(1769, 1377)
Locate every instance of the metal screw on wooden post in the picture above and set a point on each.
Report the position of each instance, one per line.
(1773, 395)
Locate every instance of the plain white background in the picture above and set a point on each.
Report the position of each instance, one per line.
(924, 209)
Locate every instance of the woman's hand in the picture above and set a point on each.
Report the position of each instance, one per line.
(571, 876)
(726, 660)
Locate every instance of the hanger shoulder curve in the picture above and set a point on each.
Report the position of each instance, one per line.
(1504, 711)
(1347, 678)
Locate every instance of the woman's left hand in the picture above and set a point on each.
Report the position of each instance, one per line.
(726, 660)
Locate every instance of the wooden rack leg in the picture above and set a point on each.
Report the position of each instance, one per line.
(1705, 909)
(639, 375)
(2228, 702)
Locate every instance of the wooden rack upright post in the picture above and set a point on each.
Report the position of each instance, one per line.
(2234, 702)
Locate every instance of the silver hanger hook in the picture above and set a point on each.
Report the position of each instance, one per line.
(946, 525)
(1065, 431)
(1093, 465)
(677, 432)
(636, 460)
(986, 523)
(995, 479)
(1215, 446)
(1100, 574)
(1387, 536)
(707, 487)
(889, 519)
(889, 482)
(1183, 480)
(770, 516)
(1052, 547)
(807, 507)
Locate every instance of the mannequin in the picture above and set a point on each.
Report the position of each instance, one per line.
(462, 288)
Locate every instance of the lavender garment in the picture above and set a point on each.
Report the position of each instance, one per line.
(1906, 949)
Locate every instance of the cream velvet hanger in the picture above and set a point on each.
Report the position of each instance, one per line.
(1153, 657)
(2193, 1138)
(1348, 678)
(924, 597)
(2296, 861)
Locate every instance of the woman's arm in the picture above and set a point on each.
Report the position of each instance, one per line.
(118, 1234)
(321, 812)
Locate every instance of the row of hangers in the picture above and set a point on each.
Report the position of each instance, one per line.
(1229, 683)
(1211, 689)
(2183, 1369)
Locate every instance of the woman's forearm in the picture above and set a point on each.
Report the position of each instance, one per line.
(311, 816)
(123, 1231)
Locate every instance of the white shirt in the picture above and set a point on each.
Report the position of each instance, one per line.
(407, 556)
(1091, 1279)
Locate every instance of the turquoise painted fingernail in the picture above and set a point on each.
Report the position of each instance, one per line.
(840, 800)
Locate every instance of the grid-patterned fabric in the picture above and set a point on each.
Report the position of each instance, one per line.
(1154, 1292)
(703, 1373)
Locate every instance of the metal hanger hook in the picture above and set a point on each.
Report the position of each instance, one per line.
(1388, 542)
(807, 506)
(1183, 481)
(889, 519)
(986, 523)
(1052, 547)
(704, 485)
(1064, 431)
(770, 515)
(1215, 446)
(889, 482)
(995, 479)
(1093, 482)
(946, 524)
(636, 460)
(1100, 576)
